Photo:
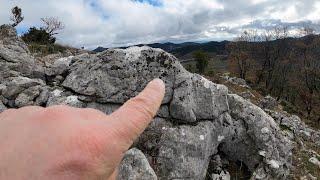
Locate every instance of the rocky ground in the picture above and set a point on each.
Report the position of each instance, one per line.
(202, 131)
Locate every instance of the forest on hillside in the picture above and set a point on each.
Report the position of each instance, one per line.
(274, 63)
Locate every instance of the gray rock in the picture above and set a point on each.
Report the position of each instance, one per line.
(135, 166)
(149, 141)
(7, 31)
(268, 102)
(15, 58)
(115, 76)
(217, 164)
(2, 88)
(287, 121)
(235, 81)
(184, 151)
(292, 125)
(2, 107)
(16, 85)
(315, 161)
(59, 67)
(224, 175)
(312, 177)
(196, 98)
(164, 112)
(58, 98)
(258, 135)
(106, 108)
(43, 97)
(27, 96)
(247, 95)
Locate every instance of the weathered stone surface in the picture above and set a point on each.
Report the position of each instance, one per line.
(2, 107)
(308, 177)
(57, 97)
(292, 124)
(27, 96)
(196, 98)
(59, 67)
(164, 112)
(106, 108)
(115, 76)
(2, 88)
(247, 95)
(315, 161)
(16, 85)
(184, 151)
(259, 135)
(288, 121)
(224, 175)
(15, 58)
(268, 102)
(149, 141)
(43, 96)
(235, 81)
(135, 166)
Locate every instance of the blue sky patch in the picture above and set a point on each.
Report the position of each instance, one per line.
(22, 29)
(151, 2)
(96, 7)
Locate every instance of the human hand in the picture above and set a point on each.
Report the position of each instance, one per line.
(62, 142)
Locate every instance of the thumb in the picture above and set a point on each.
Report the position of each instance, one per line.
(135, 115)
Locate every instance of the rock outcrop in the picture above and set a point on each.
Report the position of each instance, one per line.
(135, 166)
(197, 122)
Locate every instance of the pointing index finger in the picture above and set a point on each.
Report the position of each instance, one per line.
(135, 115)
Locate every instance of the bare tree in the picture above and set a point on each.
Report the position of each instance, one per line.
(306, 31)
(240, 52)
(266, 38)
(16, 17)
(52, 25)
(281, 32)
(278, 52)
(310, 62)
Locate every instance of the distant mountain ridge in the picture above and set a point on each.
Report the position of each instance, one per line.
(181, 49)
(187, 48)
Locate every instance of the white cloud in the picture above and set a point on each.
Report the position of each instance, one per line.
(91, 23)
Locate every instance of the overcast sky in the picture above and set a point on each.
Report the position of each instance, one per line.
(110, 23)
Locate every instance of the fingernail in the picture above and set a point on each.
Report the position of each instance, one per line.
(158, 82)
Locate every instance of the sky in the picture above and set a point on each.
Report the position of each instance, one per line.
(114, 23)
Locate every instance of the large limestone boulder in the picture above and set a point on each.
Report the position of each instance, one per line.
(115, 76)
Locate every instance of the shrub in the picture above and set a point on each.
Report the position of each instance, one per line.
(38, 36)
(201, 59)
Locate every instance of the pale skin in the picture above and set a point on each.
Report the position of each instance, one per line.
(65, 143)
